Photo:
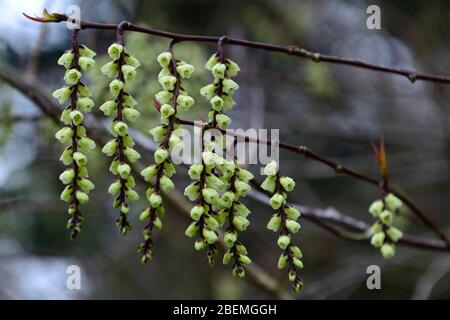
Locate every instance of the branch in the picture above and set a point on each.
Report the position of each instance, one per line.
(290, 50)
(338, 168)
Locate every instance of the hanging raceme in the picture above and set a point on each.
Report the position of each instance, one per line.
(285, 220)
(171, 99)
(73, 134)
(123, 69)
(384, 233)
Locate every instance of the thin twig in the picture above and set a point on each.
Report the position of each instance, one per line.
(290, 50)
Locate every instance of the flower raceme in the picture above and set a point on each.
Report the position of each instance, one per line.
(284, 221)
(122, 108)
(172, 98)
(73, 134)
(384, 233)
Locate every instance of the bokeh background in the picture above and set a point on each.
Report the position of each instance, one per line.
(337, 111)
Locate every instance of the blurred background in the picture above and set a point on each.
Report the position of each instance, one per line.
(337, 111)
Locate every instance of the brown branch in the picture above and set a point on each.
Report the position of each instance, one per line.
(338, 168)
(290, 50)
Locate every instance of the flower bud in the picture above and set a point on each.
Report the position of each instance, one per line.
(62, 94)
(392, 202)
(388, 250)
(114, 188)
(287, 183)
(209, 158)
(292, 226)
(276, 201)
(292, 275)
(168, 82)
(195, 171)
(244, 175)
(66, 194)
(240, 223)
(245, 260)
(212, 61)
(129, 72)
(229, 86)
(110, 148)
(83, 90)
(283, 241)
(161, 155)
(271, 168)
(228, 102)
(66, 59)
(72, 76)
(223, 121)
(76, 117)
(128, 100)
(157, 223)
(218, 71)
(228, 199)
(200, 245)
(185, 102)
(86, 52)
(208, 91)
(86, 185)
(131, 114)
(282, 261)
(269, 184)
(132, 61)
(214, 182)
(110, 69)
(209, 235)
(66, 156)
(227, 257)
(115, 87)
(166, 184)
(124, 170)
(149, 172)
(64, 134)
(120, 128)
(82, 197)
(230, 238)
(298, 263)
(211, 223)
(164, 59)
(67, 176)
(185, 70)
(291, 212)
(210, 195)
(86, 63)
(164, 96)
(196, 212)
(131, 154)
(232, 68)
(394, 234)
(166, 111)
(241, 210)
(242, 188)
(86, 144)
(376, 207)
(158, 133)
(108, 107)
(386, 217)
(274, 223)
(155, 200)
(192, 191)
(80, 159)
(216, 103)
(115, 50)
(377, 239)
(85, 104)
(296, 251)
